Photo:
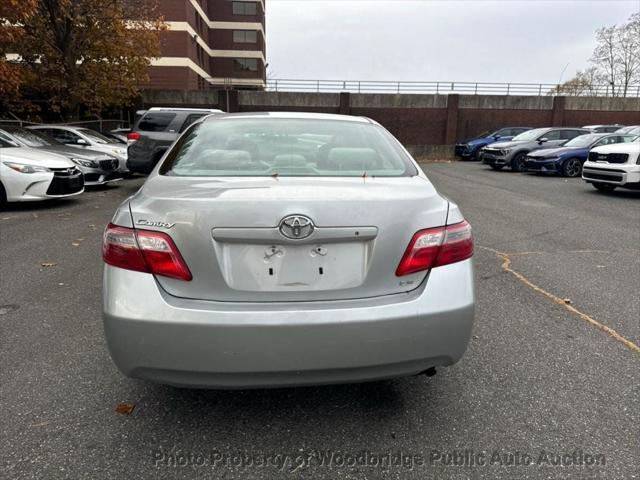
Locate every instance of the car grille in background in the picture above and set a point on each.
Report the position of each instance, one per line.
(598, 176)
(493, 151)
(608, 157)
(65, 181)
(109, 165)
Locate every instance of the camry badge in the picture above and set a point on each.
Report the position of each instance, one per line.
(296, 227)
(149, 223)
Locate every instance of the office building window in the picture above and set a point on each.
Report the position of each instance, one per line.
(245, 64)
(245, 36)
(244, 8)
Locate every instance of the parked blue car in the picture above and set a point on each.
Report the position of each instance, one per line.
(567, 160)
(470, 149)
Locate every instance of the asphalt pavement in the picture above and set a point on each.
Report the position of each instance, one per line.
(548, 388)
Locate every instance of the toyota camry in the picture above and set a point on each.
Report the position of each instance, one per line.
(280, 249)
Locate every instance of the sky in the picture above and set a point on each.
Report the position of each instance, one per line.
(543, 41)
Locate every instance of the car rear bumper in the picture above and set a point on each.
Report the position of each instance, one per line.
(154, 336)
(619, 174)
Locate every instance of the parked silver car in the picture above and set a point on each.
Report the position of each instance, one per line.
(85, 138)
(98, 168)
(276, 249)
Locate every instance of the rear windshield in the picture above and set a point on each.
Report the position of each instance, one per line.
(155, 121)
(287, 147)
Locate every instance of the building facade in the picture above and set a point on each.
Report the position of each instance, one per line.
(211, 44)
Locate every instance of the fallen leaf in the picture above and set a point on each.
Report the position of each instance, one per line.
(48, 264)
(125, 408)
(61, 284)
(75, 244)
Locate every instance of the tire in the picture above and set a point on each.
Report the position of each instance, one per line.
(603, 187)
(496, 167)
(3, 196)
(517, 162)
(572, 168)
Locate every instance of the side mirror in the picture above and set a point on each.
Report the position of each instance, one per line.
(81, 141)
(543, 140)
(496, 137)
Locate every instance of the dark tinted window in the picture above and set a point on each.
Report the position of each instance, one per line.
(552, 135)
(190, 119)
(245, 64)
(244, 8)
(156, 121)
(569, 134)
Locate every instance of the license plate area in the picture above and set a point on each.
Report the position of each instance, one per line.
(291, 267)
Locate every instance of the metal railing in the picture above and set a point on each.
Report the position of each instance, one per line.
(444, 88)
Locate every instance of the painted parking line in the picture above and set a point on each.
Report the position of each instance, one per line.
(506, 266)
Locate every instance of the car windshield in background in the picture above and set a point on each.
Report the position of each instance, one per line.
(31, 138)
(287, 147)
(582, 141)
(95, 136)
(529, 135)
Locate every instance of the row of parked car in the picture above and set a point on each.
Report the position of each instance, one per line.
(606, 156)
(38, 162)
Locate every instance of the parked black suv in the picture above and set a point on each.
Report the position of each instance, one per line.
(155, 131)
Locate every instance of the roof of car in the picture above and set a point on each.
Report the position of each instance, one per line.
(171, 109)
(294, 115)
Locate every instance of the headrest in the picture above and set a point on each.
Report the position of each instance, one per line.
(225, 159)
(354, 158)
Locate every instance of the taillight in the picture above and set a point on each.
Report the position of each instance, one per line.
(435, 247)
(133, 136)
(143, 251)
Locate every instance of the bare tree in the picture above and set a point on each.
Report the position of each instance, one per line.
(605, 55)
(615, 63)
(628, 46)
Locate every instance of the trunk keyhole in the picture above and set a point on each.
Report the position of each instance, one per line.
(271, 271)
(321, 271)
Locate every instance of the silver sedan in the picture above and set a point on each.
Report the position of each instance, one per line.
(279, 249)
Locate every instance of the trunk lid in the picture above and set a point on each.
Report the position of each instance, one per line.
(228, 231)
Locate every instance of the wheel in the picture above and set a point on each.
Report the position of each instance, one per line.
(604, 187)
(572, 168)
(517, 163)
(3, 196)
(496, 167)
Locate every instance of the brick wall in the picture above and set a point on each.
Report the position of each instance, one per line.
(426, 120)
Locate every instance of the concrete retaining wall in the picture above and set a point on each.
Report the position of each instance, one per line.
(422, 121)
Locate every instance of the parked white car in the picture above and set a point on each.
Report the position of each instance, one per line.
(82, 137)
(611, 166)
(27, 175)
